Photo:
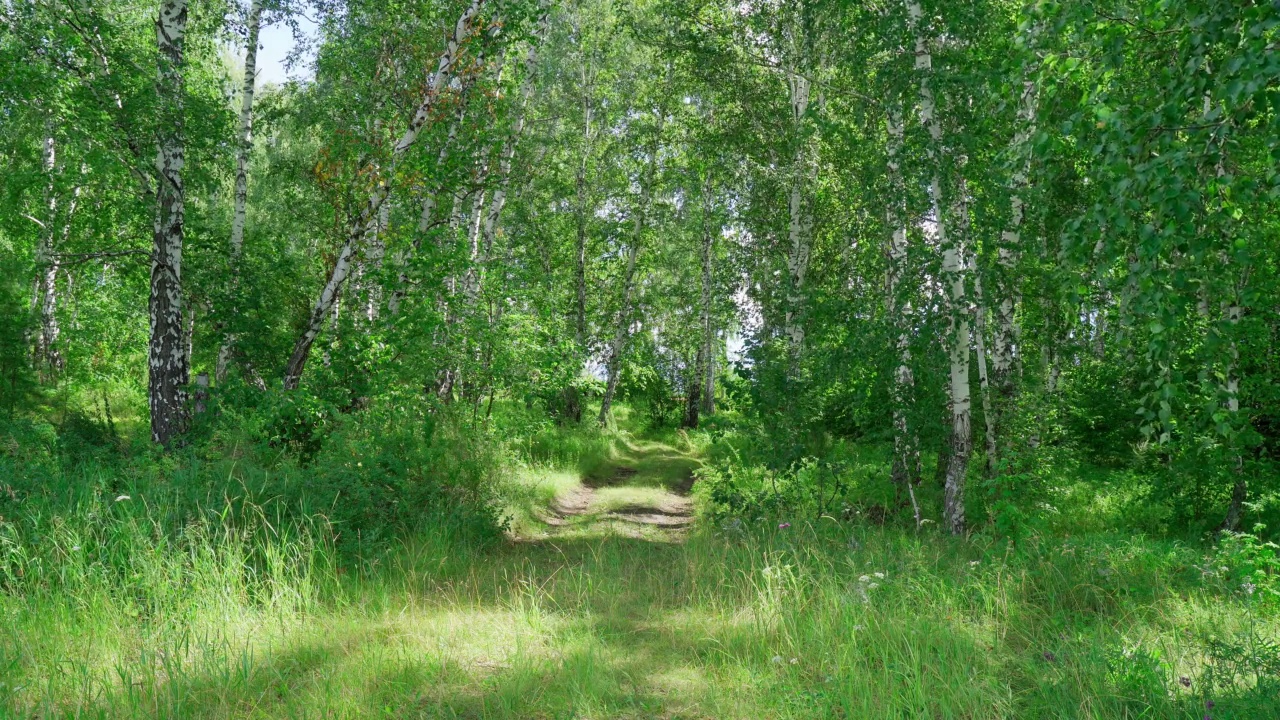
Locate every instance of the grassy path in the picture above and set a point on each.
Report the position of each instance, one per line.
(642, 492)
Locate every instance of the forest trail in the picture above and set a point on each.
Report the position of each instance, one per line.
(642, 493)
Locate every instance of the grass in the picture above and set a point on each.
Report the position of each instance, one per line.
(105, 615)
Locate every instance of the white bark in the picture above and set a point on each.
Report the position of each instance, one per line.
(1100, 327)
(800, 224)
(244, 136)
(342, 268)
(1232, 387)
(905, 441)
(335, 319)
(581, 209)
(984, 383)
(168, 371)
(244, 146)
(475, 220)
(1231, 375)
(44, 297)
(954, 277)
(1010, 248)
(708, 331)
(375, 251)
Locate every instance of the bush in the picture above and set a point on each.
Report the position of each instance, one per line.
(844, 484)
(371, 476)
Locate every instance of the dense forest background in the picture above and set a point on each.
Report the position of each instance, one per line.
(961, 281)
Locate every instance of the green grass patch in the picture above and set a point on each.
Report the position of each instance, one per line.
(803, 622)
(122, 609)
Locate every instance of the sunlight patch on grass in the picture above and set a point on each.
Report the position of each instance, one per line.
(612, 499)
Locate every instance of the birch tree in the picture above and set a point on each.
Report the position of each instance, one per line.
(701, 395)
(244, 148)
(434, 187)
(493, 216)
(799, 207)
(906, 444)
(167, 355)
(1009, 250)
(954, 277)
(359, 227)
(582, 209)
(44, 296)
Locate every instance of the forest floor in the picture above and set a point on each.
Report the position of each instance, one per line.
(608, 601)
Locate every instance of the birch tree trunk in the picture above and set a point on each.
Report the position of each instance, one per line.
(620, 337)
(906, 444)
(374, 252)
(1009, 250)
(572, 401)
(954, 277)
(50, 330)
(244, 146)
(356, 232)
(698, 391)
(800, 224)
(493, 215)
(980, 348)
(1232, 387)
(44, 298)
(580, 254)
(1231, 379)
(189, 337)
(1100, 327)
(475, 219)
(708, 332)
(709, 380)
(168, 371)
(693, 389)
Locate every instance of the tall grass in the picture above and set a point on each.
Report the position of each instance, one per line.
(164, 604)
(105, 610)
(820, 621)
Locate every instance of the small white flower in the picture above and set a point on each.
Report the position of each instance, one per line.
(864, 578)
(1223, 568)
(795, 661)
(75, 547)
(873, 586)
(777, 660)
(858, 627)
(879, 575)
(1248, 587)
(974, 563)
(122, 498)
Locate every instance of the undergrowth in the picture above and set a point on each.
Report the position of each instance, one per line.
(249, 576)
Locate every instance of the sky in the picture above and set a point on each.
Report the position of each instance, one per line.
(275, 42)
